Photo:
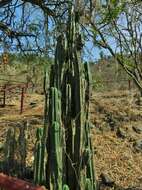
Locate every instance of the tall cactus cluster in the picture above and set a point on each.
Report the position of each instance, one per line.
(9, 151)
(70, 157)
(15, 151)
(63, 151)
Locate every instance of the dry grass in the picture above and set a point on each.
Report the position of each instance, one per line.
(10, 117)
(114, 156)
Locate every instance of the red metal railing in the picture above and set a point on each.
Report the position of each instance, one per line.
(9, 88)
(12, 183)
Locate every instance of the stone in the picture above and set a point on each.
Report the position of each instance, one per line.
(132, 138)
(121, 133)
(139, 101)
(33, 104)
(137, 129)
(35, 121)
(106, 180)
(138, 145)
(134, 188)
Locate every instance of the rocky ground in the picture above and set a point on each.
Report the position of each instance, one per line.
(116, 134)
(117, 138)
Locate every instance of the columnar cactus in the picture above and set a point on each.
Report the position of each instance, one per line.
(15, 164)
(65, 187)
(55, 142)
(22, 147)
(9, 151)
(70, 156)
(39, 161)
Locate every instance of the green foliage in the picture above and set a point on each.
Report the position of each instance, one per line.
(113, 12)
(33, 27)
(127, 61)
(97, 81)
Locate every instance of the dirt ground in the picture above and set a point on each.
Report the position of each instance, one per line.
(114, 116)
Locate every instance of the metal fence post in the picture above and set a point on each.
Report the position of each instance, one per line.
(22, 100)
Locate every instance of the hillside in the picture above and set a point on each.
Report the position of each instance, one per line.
(107, 74)
(116, 132)
(115, 113)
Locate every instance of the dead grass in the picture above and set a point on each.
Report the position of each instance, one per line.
(114, 156)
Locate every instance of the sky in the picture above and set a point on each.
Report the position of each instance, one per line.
(90, 52)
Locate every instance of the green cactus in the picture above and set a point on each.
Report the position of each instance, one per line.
(9, 151)
(87, 90)
(88, 184)
(88, 156)
(22, 145)
(70, 157)
(39, 158)
(56, 156)
(65, 187)
(54, 104)
(55, 141)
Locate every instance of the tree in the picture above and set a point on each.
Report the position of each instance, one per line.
(113, 25)
(23, 24)
(116, 26)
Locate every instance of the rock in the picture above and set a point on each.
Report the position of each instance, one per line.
(33, 104)
(35, 121)
(134, 188)
(92, 125)
(139, 101)
(106, 180)
(112, 121)
(95, 150)
(137, 129)
(121, 133)
(132, 138)
(138, 145)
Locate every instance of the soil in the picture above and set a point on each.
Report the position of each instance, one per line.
(116, 132)
(115, 115)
